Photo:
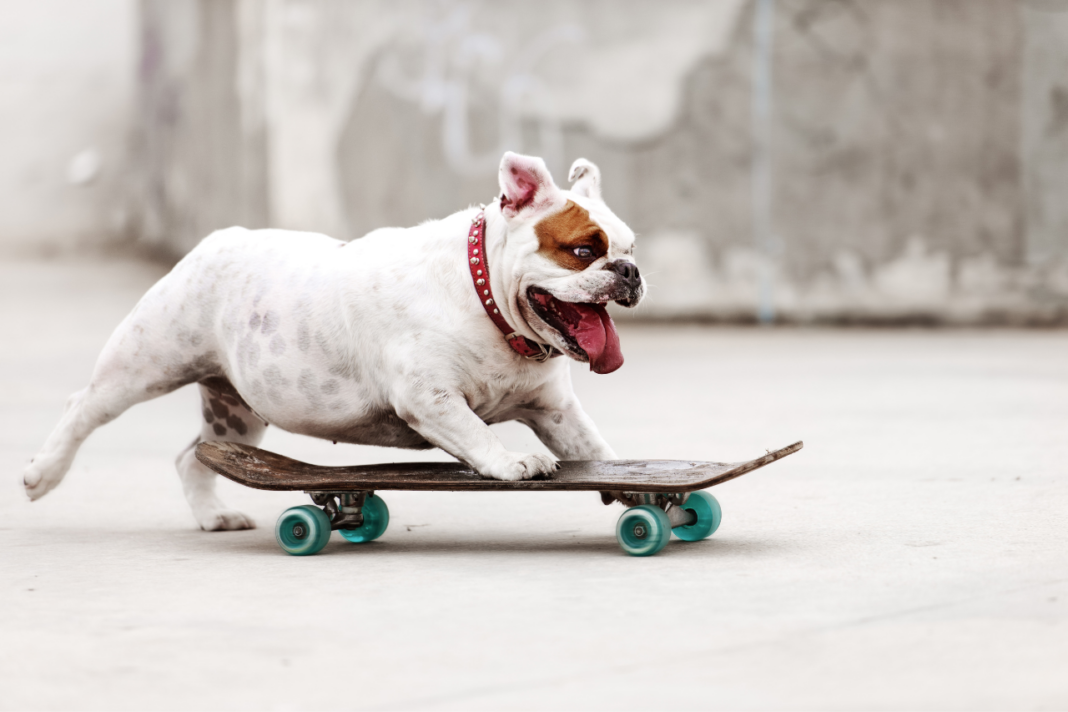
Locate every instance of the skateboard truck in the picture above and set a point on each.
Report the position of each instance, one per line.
(670, 502)
(678, 515)
(345, 509)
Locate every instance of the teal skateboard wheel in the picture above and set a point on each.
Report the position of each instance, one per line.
(707, 510)
(643, 530)
(375, 521)
(303, 530)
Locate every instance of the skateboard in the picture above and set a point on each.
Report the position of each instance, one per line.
(662, 496)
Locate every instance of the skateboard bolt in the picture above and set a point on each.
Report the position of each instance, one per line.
(639, 531)
(299, 531)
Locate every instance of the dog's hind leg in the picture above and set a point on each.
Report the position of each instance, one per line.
(135, 365)
(112, 390)
(225, 416)
(81, 416)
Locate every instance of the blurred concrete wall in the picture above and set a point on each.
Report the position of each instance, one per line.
(67, 85)
(201, 135)
(827, 160)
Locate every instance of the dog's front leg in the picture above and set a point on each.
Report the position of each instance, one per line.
(445, 420)
(571, 435)
(568, 432)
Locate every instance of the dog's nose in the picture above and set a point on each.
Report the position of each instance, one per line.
(627, 270)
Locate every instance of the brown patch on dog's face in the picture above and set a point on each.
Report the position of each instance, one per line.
(570, 238)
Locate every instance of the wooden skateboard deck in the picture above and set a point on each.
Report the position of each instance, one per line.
(260, 469)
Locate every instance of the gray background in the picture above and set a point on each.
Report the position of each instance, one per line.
(847, 170)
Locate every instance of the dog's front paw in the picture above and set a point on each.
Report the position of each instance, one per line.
(219, 520)
(521, 466)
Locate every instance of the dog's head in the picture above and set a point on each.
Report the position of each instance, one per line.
(568, 256)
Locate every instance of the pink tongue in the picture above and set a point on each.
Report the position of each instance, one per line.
(597, 336)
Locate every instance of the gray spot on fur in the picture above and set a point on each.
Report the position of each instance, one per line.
(252, 354)
(219, 429)
(189, 338)
(324, 343)
(237, 424)
(307, 386)
(278, 345)
(254, 321)
(303, 337)
(330, 387)
(188, 372)
(218, 408)
(273, 376)
(349, 371)
(208, 415)
(270, 322)
(244, 348)
(207, 311)
(558, 418)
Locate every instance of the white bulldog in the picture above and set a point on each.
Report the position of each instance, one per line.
(393, 339)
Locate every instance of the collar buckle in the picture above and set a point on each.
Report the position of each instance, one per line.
(543, 354)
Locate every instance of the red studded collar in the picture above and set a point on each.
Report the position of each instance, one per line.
(476, 259)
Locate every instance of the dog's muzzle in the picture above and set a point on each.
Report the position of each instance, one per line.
(631, 282)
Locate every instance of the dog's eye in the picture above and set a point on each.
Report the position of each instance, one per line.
(584, 252)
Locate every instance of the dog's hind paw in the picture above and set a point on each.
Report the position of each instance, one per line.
(220, 520)
(39, 479)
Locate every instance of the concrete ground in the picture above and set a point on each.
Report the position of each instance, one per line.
(913, 555)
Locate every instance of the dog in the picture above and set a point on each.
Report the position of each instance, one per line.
(410, 338)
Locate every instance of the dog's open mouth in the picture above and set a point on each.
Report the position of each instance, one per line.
(585, 327)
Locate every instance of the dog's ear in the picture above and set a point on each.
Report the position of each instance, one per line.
(586, 178)
(525, 183)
